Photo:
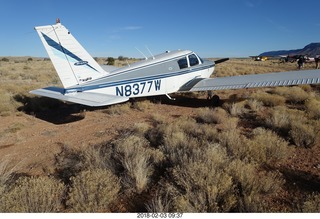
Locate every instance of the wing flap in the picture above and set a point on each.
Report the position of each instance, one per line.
(84, 98)
(257, 80)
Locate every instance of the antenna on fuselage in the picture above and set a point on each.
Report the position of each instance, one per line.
(142, 53)
(150, 53)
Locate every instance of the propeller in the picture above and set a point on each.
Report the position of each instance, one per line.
(221, 60)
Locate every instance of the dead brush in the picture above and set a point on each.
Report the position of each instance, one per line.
(207, 115)
(203, 171)
(252, 185)
(269, 100)
(305, 134)
(266, 147)
(142, 105)
(236, 109)
(118, 109)
(293, 95)
(93, 191)
(34, 195)
(137, 160)
(313, 108)
(311, 204)
(255, 105)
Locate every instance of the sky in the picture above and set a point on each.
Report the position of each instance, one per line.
(211, 28)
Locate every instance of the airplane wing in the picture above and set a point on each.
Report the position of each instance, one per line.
(256, 80)
(84, 98)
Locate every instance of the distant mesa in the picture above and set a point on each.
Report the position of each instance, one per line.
(311, 50)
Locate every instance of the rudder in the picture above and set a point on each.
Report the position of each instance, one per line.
(72, 62)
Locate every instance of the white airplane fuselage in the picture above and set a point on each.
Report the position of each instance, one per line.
(158, 75)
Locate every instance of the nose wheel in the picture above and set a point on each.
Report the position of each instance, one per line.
(214, 99)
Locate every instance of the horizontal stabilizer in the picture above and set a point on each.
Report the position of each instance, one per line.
(257, 80)
(84, 98)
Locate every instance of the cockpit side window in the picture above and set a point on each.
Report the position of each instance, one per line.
(183, 63)
(193, 59)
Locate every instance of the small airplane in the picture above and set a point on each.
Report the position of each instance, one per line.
(259, 58)
(86, 82)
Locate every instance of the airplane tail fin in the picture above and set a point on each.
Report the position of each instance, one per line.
(72, 62)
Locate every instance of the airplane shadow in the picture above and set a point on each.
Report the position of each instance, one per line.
(186, 101)
(51, 110)
(58, 112)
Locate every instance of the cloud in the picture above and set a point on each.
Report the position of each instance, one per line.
(132, 28)
(127, 28)
(118, 33)
(277, 25)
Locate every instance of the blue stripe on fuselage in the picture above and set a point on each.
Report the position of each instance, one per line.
(137, 80)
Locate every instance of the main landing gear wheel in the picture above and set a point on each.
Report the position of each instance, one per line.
(214, 99)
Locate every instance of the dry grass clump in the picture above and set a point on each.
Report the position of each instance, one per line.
(269, 99)
(293, 95)
(6, 106)
(204, 173)
(252, 185)
(236, 109)
(313, 108)
(304, 134)
(138, 161)
(266, 147)
(255, 105)
(93, 191)
(142, 105)
(312, 204)
(279, 119)
(205, 186)
(208, 115)
(159, 204)
(294, 125)
(118, 109)
(34, 194)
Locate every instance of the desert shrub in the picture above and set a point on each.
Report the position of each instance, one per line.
(142, 105)
(5, 173)
(254, 105)
(252, 185)
(266, 147)
(69, 162)
(205, 185)
(312, 204)
(118, 109)
(157, 119)
(279, 119)
(207, 115)
(99, 156)
(236, 109)
(138, 161)
(7, 105)
(313, 108)
(110, 61)
(34, 195)
(234, 143)
(159, 204)
(269, 99)
(93, 191)
(293, 95)
(304, 134)
(140, 129)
